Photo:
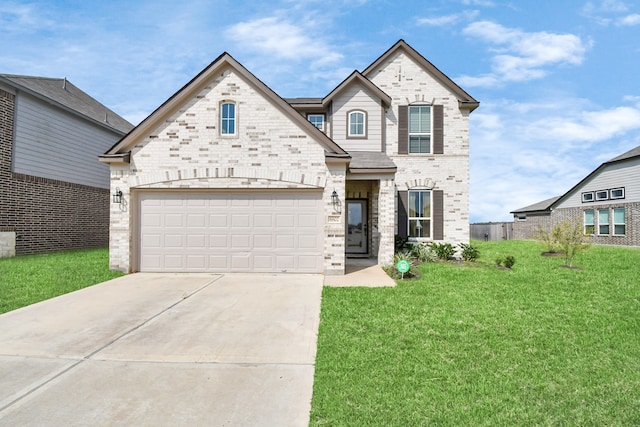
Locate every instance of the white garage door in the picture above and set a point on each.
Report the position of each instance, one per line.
(231, 231)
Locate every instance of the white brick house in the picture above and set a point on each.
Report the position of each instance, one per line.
(227, 176)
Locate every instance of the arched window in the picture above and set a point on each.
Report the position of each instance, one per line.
(357, 126)
(228, 118)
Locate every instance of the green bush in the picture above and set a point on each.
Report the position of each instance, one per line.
(444, 251)
(401, 243)
(469, 252)
(423, 253)
(506, 262)
(413, 272)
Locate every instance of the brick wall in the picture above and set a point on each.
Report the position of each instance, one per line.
(47, 215)
(524, 230)
(406, 82)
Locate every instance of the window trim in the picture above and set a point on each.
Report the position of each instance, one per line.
(423, 218)
(624, 224)
(222, 118)
(605, 195)
(429, 134)
(365, 124)
(588, 197)
(612, 197)
(309, 116)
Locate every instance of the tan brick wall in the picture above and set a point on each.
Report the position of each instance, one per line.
(406, 82)
(186, 151)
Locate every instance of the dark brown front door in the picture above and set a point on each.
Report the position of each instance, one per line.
(357, 227)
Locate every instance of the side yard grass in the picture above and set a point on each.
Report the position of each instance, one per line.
(477, 345)
(28, 279)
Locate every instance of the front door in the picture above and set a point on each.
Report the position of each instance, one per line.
(357, 227)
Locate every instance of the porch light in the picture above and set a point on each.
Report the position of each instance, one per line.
(335, 202)
(117, 196)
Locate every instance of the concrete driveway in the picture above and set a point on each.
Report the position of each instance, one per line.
(160, 349)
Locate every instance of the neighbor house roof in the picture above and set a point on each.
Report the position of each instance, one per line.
(120, 151)
(549, 203)
(63, 94)
(538, 207)
(464, 99)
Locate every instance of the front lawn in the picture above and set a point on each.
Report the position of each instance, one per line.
(477, 345)
(29, 279)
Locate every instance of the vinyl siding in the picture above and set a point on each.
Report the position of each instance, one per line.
(54, 144)
(624, 174)
(356, 98)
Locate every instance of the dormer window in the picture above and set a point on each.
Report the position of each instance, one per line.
(357, 124)
(317, 120)
(228, 118)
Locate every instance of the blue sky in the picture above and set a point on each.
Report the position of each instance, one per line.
(557, 80)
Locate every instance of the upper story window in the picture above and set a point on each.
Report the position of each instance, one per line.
(228, 118)
(357, 124)
(317, 120)
(420, 129)
(617, 193)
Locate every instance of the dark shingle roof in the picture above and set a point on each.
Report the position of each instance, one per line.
(70, 97)
(634, 152)
(540, 206)
(370, 160)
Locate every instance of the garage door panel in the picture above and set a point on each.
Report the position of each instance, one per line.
(272, 231)
(240, 220)
(174, 241)
(218, 220)
(262, 241)
(218, 241)
(173, 220)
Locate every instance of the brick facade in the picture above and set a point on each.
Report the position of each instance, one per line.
(407, 82)
(47, 215)
(526, 229)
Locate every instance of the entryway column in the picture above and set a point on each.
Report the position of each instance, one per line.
(386, 221)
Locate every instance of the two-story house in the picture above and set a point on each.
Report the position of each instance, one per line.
(55, 194)
(606, 204)
(228, 176)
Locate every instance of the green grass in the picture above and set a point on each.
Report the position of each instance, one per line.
(476, 345)
(29, 279)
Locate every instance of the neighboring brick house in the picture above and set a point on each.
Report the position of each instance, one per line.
(606, 203)
(228, 176)
(55, 194)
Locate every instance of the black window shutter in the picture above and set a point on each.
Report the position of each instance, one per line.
(403, 219)
(438, 129)
(403, 129)
(438, 215)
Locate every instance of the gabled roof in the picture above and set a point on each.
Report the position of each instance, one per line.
(550, 203)
(464, 99)
(356, 76)
(119, 152)
(63, 94)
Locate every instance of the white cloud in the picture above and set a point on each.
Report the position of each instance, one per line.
(629, 20)
(21, 18)
(278, 37)
(486, 3)
(523, 153)
(520, 55)
(445, 20)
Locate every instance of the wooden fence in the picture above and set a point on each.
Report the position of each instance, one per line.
(492, 231)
